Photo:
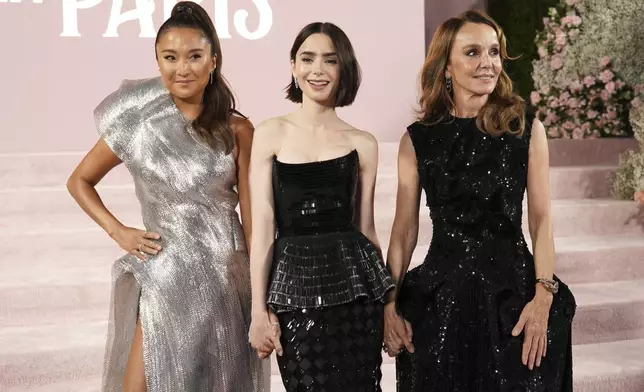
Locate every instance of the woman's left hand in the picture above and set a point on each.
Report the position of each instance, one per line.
(534, 322)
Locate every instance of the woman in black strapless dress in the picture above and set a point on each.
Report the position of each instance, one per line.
(318, 278)
(480, 314)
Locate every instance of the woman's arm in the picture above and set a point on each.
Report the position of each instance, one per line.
(81, 185)
(243, 130)
(404, 232)
(404, 235)
(534, 318)
(367, 147)
(264, 332)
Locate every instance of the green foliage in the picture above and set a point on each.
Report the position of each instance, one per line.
(520, 21)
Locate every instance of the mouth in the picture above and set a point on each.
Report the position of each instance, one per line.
(485, 77)
(318, 83)
(183, 81)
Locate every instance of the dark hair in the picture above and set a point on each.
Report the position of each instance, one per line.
(504, 111)
(350, 73)
(218, 100)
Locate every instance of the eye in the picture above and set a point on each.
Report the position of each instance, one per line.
(196, 56)
(472, 52)
(332, 61)
(495, 52)
(306, 59)
(169, 58)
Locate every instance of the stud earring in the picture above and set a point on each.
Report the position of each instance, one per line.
(449, 84)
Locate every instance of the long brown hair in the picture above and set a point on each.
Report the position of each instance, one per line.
(212, 124)
(504, 111)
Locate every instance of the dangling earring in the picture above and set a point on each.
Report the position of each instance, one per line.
(296, 85)
(211, 76)
(449, 85)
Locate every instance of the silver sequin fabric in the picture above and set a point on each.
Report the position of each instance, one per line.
(194, 297)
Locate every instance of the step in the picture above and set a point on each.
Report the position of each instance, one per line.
(614, 366)
(19, 171)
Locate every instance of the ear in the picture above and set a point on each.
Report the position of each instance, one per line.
(293, 69)
(213, 65)
(448, 72)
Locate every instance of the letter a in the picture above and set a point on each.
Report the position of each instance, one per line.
(70, 15)
(143, 12)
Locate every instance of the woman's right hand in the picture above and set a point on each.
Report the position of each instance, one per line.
(265, 333)
(137, 242)
(398, 332)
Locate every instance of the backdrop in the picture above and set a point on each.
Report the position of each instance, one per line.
(63, 56)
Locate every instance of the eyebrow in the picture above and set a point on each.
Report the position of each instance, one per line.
(329, 54)
(174, 51)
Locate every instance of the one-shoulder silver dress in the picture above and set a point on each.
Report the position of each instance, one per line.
(194, 296)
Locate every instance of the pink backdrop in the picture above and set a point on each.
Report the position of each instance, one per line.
(53, 80)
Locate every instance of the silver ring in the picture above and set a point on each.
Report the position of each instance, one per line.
(140, 248)
(277, 324)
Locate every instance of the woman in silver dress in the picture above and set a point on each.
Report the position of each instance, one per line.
(180, 307)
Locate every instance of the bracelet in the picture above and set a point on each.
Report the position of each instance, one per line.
(549, 284)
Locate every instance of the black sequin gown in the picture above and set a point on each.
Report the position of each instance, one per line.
(466, 297)
(328, 280)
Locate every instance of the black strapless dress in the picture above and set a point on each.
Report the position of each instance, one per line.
(328, 280)
(466, 297)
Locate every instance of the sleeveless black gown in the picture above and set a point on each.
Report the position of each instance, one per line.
(328, 280)
(466, 297)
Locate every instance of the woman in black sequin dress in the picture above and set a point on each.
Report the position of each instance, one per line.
(480, 314)
(318, 278)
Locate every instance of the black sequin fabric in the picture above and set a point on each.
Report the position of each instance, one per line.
(334, 349)
(466, 297)
(328, 280)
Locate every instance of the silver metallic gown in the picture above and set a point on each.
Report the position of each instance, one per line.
(193, 298)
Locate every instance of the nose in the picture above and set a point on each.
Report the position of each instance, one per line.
(317, 67)
(183, 68)
(486, 60)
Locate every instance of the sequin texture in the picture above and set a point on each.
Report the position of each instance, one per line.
(194, 296)
(465, 298)
(327, 281)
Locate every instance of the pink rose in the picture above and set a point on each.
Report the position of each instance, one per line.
(564, 96)
(605, 95)
(636, 102)
(543, 52)
(638, 88)
(591, 114)
(606, 76)
(611, 114)
(573, 33)
(544, 90)
(575, 86)
(566, 20)
(639, 196)
(610, 87)
(577, 133)
(575, 20)
(568, 125)
(535, 97)
(619, 84)
(551, 117)
(573, 103)
(585, 127)
(604, 61)
(589, 81)
(553, 132)
(556, 63)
